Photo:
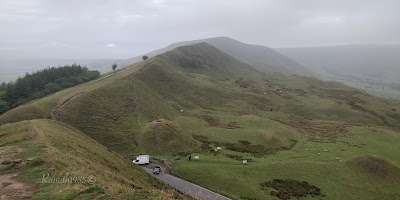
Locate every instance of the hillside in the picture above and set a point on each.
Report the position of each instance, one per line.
(40, 151)
(373, 68)
(260, 57)
(163, 137)
(194, 78)
(196, 98)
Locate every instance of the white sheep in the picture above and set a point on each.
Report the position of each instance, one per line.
(196, 157)
(325, 150)
(219, 148)
(244, 161)
(181, 110)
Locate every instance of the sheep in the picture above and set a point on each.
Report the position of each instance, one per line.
(319, 153)
(325, 150)
(181, 110)
(219, 148)
(244, 161)
(196, 157)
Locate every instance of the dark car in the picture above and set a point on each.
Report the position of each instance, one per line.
(157, 170)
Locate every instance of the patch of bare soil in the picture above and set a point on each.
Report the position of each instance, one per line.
(10, 187)
(323, 132)
(54, 115)
(6, 155)
(215, 123)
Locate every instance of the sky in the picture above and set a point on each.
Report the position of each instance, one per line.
(117, 29)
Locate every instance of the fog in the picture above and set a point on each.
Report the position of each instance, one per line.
(43, 29)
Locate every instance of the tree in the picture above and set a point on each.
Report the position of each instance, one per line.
(145, 57)
(114, 66)
(41, 83)
(3, 106)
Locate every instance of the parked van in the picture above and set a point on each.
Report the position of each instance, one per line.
(142, 160)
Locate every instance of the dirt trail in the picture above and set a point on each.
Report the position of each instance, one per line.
(54, 115)
(10, 187)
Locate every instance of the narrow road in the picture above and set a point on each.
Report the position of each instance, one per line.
(187, 187)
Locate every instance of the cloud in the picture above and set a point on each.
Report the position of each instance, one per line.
(111, 45)
(140, 26)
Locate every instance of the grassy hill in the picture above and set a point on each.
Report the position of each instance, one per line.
(196, 98)
(260, 57)
(195, 78)
(49, 150)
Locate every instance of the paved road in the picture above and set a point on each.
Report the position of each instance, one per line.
(187, 187)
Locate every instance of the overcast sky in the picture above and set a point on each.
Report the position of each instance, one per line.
(89, 29)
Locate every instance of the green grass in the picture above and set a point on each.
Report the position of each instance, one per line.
(163, 137)
(63, 151)
(337, 180)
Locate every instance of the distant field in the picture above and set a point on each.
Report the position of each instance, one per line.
(380, 90)
(370, 67)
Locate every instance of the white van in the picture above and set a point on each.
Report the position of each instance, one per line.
(142, 160)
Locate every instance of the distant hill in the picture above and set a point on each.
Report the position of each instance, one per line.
(374, 68)
(260, 57)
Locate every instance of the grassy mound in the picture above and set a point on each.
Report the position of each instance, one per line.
(51, 150)
(163, 137)
(376, 165)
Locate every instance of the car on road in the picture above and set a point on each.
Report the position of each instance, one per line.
(157, 170)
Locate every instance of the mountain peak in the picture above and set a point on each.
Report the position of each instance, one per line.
(260, 57)
(203, 58)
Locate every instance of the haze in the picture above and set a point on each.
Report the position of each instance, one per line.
(44, 29)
